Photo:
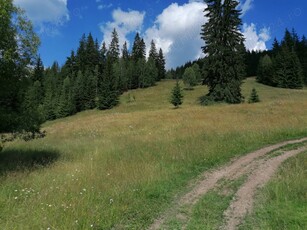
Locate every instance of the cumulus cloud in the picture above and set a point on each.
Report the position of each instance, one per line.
(47, 11)
(46, 15)
(177, 31)
(253, 40)
(125, 22)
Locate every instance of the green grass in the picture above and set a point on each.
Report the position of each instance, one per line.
(208, 213)
(121, 168)
(282, 204)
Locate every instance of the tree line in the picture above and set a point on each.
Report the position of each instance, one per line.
(93, 77)
(285, 65)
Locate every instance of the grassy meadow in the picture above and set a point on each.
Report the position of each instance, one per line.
(120, 168)
(282, 204)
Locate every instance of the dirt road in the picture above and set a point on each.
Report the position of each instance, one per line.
(258, 166)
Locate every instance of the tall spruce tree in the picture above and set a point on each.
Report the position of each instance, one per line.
(224, 41)
(138, 55)
(288, 70)
(161, 65)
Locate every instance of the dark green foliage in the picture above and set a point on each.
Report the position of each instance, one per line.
(66, 105)
(287, 70)
(161, 65)
(108, 95)
(150, 74)
(113, 52)
(177, 97)
(266, 71)
(15, 57)
(189, 78)
(254, 98)
(91, 78)
(224, 48)
(38, 71)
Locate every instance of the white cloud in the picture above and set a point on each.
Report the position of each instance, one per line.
(253, 40)
(46, 15)
(125, 22)
(42, 11)
(246, 6)
(106, 6)
(177, 31)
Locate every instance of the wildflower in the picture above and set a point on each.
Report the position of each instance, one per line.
(16, 198)
(111, 201)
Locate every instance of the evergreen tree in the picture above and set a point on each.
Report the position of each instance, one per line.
(177, 97)
(265, 71)
(108, 95)
(161, 65)
(91, 53)
(138, 55)
(288, 70)
(153, 54)
(81, 54)
(137, 50)
(254, 98)
(125, 52)
(150, 73)
(38, 73)
(80, 89)
(276, 47)
(113, 52)
(49, 102)
(224, 45)
(66, 104)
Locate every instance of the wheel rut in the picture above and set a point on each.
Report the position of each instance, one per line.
(257, 165)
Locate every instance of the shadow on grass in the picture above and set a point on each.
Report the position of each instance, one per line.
(15, 160)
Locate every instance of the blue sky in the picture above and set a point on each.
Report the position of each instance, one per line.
(174, 25)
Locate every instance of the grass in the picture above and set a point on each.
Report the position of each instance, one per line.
(282, 203)
(120, 168)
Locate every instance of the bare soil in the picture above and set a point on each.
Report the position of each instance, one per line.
(257, 165)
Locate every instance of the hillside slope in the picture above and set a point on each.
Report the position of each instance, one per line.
(121, 168)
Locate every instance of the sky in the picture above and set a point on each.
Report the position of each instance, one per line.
(174, 25)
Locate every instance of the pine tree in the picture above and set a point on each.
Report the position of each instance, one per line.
(91, 53)
(138, 55)
(224, 45)
(276, 47)
(161, 65)
(254, 98)
(66, 105)
(108, 95)
(113, 52)
(153, 51)
(176, 97)
(150, 73)
(81, 54)
(288, 70)
(38, 73)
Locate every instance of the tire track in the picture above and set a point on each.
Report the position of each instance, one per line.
(209, 180)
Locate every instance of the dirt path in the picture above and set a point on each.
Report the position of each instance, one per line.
(255, 162)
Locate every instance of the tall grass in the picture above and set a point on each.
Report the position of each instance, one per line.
(282, 204)
(120, 168)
